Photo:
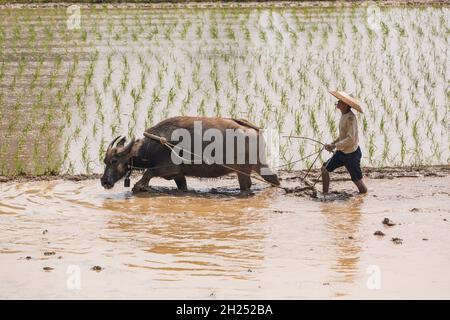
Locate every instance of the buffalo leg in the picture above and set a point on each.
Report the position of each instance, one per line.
(267, 174)
(245, 182)
(181, 183)
(142, 184)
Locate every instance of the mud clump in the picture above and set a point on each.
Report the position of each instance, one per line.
(298, 189)
(388, 222)
(311, 192)
(379, 233)
(302, 191)
(97, 268)
(336, 196)
(373, 173)
(397, 240)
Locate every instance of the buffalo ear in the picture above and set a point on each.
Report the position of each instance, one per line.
(125, 150)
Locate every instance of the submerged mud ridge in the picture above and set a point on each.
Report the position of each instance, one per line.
(66, 177)
(338, 175)
(304, 190)
(292, 183)
(377, 173)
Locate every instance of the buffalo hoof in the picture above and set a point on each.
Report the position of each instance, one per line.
(140, 188)
(246, 193)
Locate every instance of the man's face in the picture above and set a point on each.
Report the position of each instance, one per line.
(342, 106)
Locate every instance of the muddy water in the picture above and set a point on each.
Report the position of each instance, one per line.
(269, 245)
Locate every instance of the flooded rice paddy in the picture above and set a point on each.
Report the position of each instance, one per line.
(207, 246)
(66, 89)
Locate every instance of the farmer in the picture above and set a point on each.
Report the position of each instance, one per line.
(347, 152)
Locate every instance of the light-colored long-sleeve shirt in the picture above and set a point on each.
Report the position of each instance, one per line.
(348, 133)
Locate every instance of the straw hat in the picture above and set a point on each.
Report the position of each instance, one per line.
(347, 99)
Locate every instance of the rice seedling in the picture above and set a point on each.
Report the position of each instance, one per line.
(171, 97)
(218, 108)
(436, 150)
(263, 36)
(259, 82)
(386, 149)
(2, 71)
(186, 102)
(125, 80)
(2, 35)
(85, 156)
(313, 123)
(2, 115)
(372, 147)
(199, 31)
(417, 148)
(116, 98)
(99, 107)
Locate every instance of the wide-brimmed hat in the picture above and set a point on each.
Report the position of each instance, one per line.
(347, 99)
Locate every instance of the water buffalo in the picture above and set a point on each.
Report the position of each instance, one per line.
(161, 161)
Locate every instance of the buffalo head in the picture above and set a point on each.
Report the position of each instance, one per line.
(117, 160)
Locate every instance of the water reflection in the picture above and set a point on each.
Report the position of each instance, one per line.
(343, 220)
(194, 235)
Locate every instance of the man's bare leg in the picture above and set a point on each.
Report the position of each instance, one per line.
(325, 180)
(361, 186)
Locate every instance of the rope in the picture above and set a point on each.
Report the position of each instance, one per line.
(326, 163)
(171, 146)
(174, 165)
(309, 155)
(310, 167)
(306, 138)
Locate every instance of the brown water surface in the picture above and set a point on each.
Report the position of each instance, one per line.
(270, 245)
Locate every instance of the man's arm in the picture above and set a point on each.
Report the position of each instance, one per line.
(331, 146)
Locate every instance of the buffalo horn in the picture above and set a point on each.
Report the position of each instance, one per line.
(127, 148)
(111, 145)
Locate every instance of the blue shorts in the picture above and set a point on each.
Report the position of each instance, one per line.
(351, 161)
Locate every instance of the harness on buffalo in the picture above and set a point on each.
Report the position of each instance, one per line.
(171, 146)
(126, 182)
(164, 142)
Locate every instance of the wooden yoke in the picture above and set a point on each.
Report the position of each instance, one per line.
(162, 140)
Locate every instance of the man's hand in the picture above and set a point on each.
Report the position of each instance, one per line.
(330, 147)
